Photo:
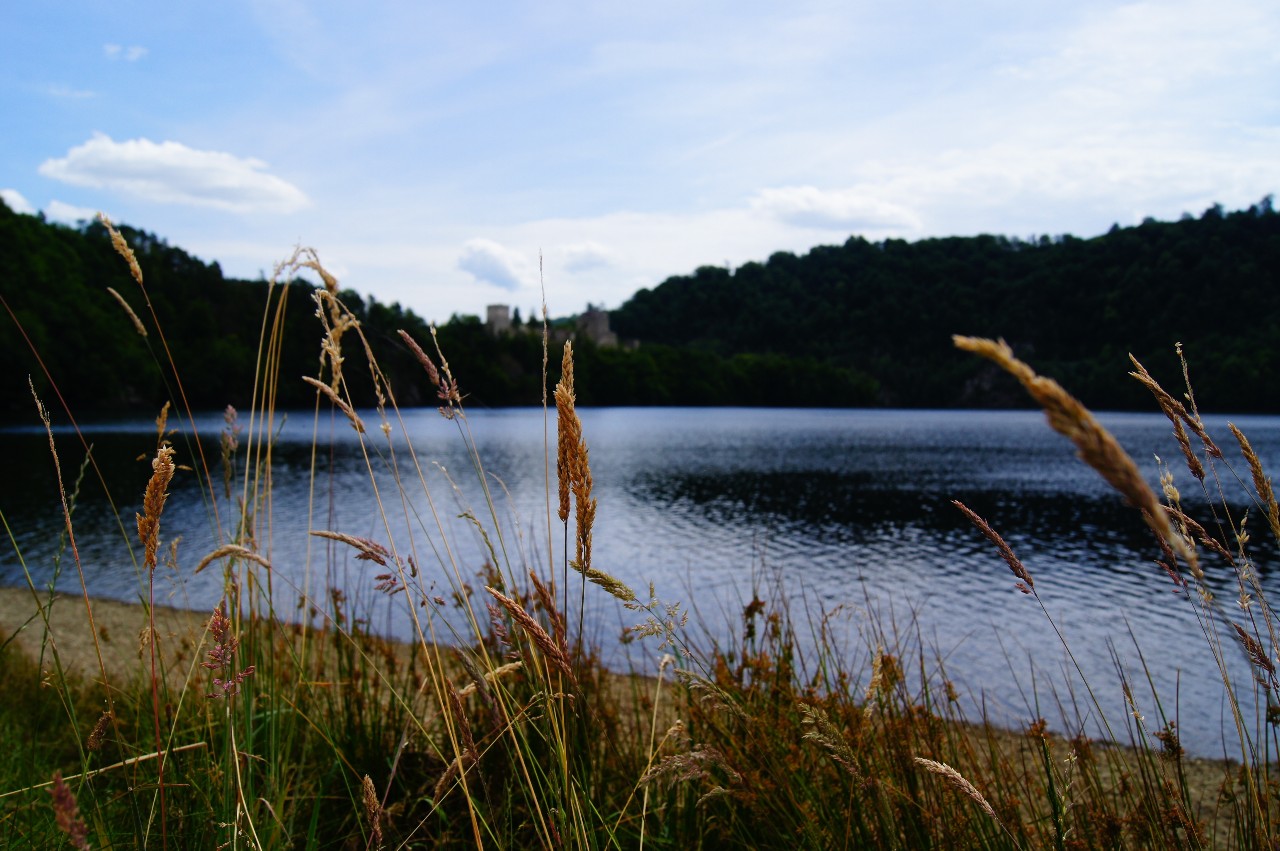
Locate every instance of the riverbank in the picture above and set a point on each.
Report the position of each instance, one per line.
(181, 638)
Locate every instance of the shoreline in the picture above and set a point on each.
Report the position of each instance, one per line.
(121, 629)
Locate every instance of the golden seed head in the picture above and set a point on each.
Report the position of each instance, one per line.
(153, 504)
(1095, 445)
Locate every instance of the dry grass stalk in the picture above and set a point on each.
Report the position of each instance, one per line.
(829, 737)
(449, 391)
(133, 317)
(956, 779)
(337, 400)
(1095, 445)
(1173, 409)
(1256, 652)
(491, 677)
(1184, 443)
(469, 755)
(234, 550)
(67, 813)
(585, 506)
(534, 630)
(153, 503)
(694, 765)
(1173, 511)
(433, 375)
(462, 724)
(372, 811)
(335, 318)
(616, 587)
(546, 598)
(369, 550)
(1261, 483)
(1025, 582)
(573, 465)
(568, 431)
(886, 673)
(122, 248)
(459, 764)
(709, 692)
(162, 424)
(222, 657)
(1201, 533)
(94, 742)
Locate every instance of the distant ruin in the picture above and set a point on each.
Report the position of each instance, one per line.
(592, 324)
(498, 319)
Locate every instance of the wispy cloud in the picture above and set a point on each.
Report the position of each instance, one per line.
(70, 214)
(491, 263)
(130, 53)
(170, 172)
(841, 209)
(584, 256)
(14, 200)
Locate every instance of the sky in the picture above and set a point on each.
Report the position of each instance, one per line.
(453, 155)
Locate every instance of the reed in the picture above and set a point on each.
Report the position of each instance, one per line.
(274, 724)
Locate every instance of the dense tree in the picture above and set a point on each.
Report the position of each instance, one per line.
(1073, 307)
(860, 323)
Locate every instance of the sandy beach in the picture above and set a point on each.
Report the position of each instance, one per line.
(121, 630)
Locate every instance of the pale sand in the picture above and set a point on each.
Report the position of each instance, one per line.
(119, 628)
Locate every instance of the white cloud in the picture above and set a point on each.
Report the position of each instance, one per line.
(14, 201)
(69, 213)
(172, 173)
(841, 209)
(492, 263)
(132, 53)
(584, 256)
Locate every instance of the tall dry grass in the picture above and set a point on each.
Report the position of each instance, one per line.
(501, 727)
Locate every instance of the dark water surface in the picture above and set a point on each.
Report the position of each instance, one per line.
(840, 507)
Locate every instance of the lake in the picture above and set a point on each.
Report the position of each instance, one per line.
(836, 507)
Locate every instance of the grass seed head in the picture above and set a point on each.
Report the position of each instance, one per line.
(1095, 445)
(133, 317)
(1025, 583)
(153, 504)
(957, 780)
(67, 813)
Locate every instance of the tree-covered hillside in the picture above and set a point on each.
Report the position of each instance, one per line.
(1073, 307)
(58, 316)
(857, 324)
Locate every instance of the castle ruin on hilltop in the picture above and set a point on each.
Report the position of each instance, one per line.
(592, 324)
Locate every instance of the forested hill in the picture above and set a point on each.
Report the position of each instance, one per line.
(61, 322)
(54, 282)
(1072, 307)
(859, 324)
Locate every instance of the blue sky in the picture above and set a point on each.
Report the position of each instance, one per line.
(433, 152)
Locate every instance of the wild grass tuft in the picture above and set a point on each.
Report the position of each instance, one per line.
(283, 720)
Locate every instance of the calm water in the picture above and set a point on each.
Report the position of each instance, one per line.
(840, 507)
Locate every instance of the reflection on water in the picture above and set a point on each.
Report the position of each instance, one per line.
(842, 507)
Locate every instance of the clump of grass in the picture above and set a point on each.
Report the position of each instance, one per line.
(500, 725)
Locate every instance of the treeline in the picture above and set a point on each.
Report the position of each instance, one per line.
(61, 326)
(858, 324)
(1072, 307)
(60, 322)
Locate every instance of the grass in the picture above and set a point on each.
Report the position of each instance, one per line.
(252, 727)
